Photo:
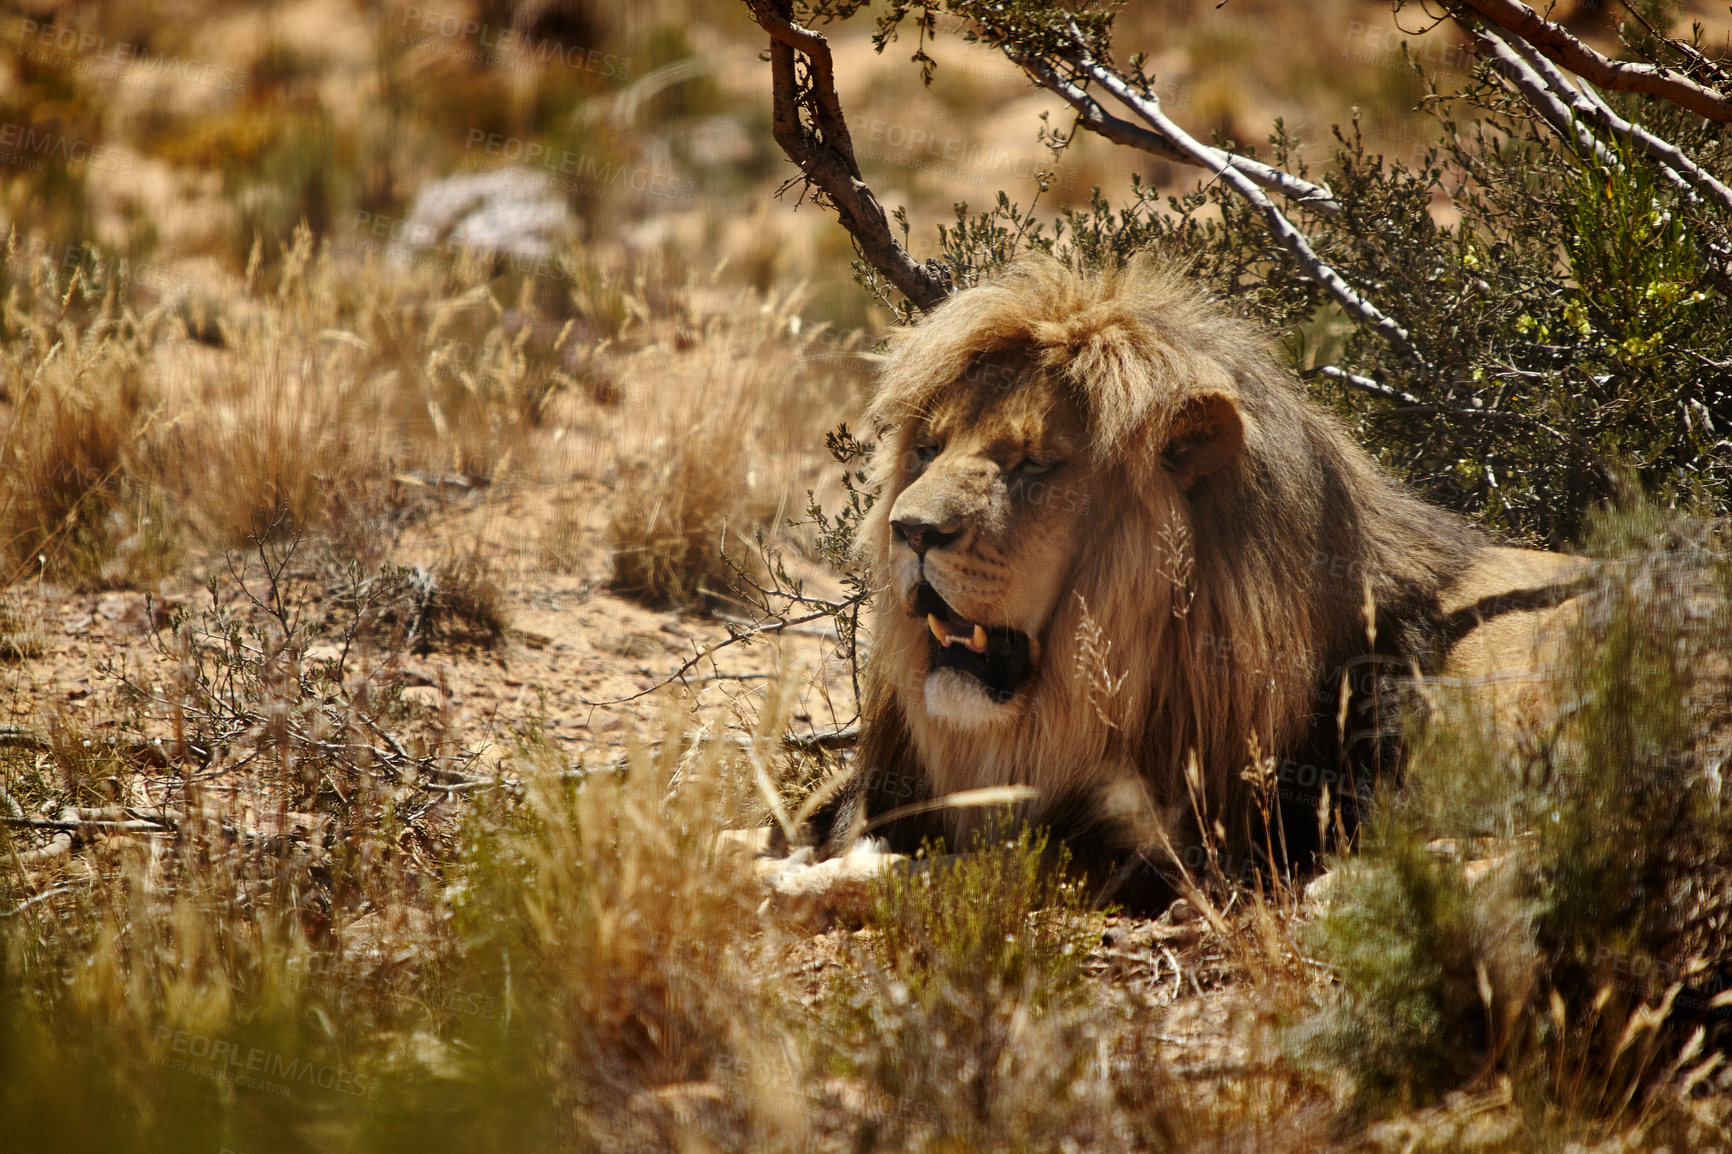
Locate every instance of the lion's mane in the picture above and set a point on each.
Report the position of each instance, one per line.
(1233, 610)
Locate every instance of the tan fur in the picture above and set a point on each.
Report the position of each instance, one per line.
(1509, 665)
(1213, 531)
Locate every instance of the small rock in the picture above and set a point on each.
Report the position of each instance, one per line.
(507, 211)
(428, 695)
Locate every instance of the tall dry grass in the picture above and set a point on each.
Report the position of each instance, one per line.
(126, 439)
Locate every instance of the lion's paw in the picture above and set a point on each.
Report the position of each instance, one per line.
(822, 892)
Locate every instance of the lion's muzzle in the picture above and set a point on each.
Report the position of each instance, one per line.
(999, 657)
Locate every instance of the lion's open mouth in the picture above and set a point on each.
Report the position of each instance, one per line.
(997, 656)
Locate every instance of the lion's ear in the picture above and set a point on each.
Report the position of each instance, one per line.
(1206, 435)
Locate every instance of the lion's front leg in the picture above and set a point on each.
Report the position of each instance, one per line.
(826, 875)
(886, 776)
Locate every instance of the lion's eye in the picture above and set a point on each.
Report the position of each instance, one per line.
(922, 455)
(1034, 466)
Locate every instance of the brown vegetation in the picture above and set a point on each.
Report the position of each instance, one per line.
(345, 802)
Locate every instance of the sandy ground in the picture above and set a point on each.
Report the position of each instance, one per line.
(586, 665)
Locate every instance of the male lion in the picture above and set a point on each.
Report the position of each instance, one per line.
(1115, 543)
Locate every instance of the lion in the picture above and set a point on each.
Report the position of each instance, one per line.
(1120, 558)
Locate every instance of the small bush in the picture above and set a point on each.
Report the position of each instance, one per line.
(228, 963)
(675, 525)
(970, 1016)
(706, 468)
(73, 504)
(626, 944)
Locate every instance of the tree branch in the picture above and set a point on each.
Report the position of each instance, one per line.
(1239, 180)
(1363, 384)
(819, 142)
(1586, 104)
(1558, 45)
(745, 636)
(1164, 138)
(1513, 67)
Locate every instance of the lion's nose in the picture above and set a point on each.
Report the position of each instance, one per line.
(922, 535)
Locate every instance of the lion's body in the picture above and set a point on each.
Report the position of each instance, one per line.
(1114, 537)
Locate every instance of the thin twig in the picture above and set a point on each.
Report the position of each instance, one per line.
(1539, 96)
(75, 826)
(1157, 142)
(700, 657)
(41, 897)
(18, 737)
(1587, 105)
(1363, 384)
(844, 738)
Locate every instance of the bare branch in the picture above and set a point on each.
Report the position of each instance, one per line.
(821, 145)
(1163, 138)
(1512, 66)
(1096, 118)
(1559, 46)
(844, 738)
(1363, 384)
(1236, 178)
(1587, 105)
(745, 636)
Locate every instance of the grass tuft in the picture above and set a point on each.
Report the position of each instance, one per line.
(969, 1018)
(675, 526)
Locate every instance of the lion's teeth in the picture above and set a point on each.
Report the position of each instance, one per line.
(976, 643)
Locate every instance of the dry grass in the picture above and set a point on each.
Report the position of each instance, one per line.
(716, 461)
(71, 507)
(255, 898)
(588, 968)
(564, 955)
(308, 917)
(127, 442)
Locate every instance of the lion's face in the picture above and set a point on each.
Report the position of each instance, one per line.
(991, 500)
